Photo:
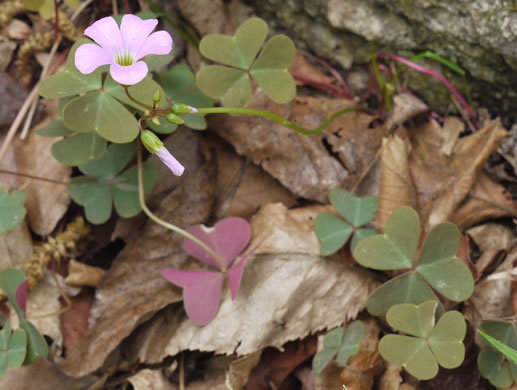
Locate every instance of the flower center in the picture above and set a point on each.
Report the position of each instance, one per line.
(125, 59)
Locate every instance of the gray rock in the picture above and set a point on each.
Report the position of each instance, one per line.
(478, 35)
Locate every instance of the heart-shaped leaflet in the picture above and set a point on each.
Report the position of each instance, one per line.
(202, 289)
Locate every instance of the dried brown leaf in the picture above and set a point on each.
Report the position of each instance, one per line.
(80, 274)
(242, 187)
(46, 202)
(133, 288)
(309, 166)
(74, 322)
(287, 292)
(405, 107)
(148, 379)
(240, 369)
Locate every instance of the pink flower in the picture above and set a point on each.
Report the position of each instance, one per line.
(122, 48)
(168, 159)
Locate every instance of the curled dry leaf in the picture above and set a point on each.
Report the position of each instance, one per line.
(405, 107)
(491, 236)
(450, 188)
(452, 128)
(395, 189)
(133, 288)
(16, 29)
(80, 274)
(492, 297)
(240, 369)
(309, 166)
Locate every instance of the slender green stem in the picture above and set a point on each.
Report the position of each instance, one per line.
(146, 106)
(165, 224)
(277, 118)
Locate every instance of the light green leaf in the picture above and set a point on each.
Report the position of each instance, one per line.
(114, 160)
(322, 359)
(405, 288)
(70, 82)
(412, 353)
(96, 198)
(441, 268)
(357, 211)
(10, 279)
(12, 210)
(333, 338)
(395, 248)
(415, 320)
(232, 86)
(350, 346)
(156, 63)
(79, 149)
(33, 5)
(5, 335)
(270, 70)
(97, 111)
(332, 231)
(238, 51)
(446, 339)
(36, 345)
(72, 3)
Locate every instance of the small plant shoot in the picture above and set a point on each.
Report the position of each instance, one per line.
(333, 232)
(436, 267)
(497, 362)
(339, 345)
(428, 343)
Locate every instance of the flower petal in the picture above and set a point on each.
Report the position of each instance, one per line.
(106, 33)
(90, 56)
(169, 160)
(129, 75)
(159, 42)
(135, 31)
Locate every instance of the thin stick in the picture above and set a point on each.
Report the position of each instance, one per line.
(5, 172)
(182, 372)
(114, 6)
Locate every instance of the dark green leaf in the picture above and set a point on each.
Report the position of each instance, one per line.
(332, 231)
(495, 368)
(17, 348)
(142, 92)
(509, 352)
(79, 148)
(114, 160)
(357, 211)
(96, 198)
(360, 235)
(55, 128)
(353, 335)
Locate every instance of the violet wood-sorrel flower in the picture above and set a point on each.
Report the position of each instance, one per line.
(122, 48)
(202, 289)
(153, 144)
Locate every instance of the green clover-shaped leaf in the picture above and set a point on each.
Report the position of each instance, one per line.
(57, 127)
(232, 83)
(12, 211)
(13, 348)
(340, 343)
(333, 232)
(46, 7)
(36, 345)
(79, 148)
(71, 82)
(179, 86)
(492, 362)
(427, 346)
(437, 264)
(106, 184)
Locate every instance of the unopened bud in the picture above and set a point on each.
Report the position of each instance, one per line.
(157, 95)
(150, 141)
(173, 118)
(156, 120)
(147, 113)
(180, 109)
